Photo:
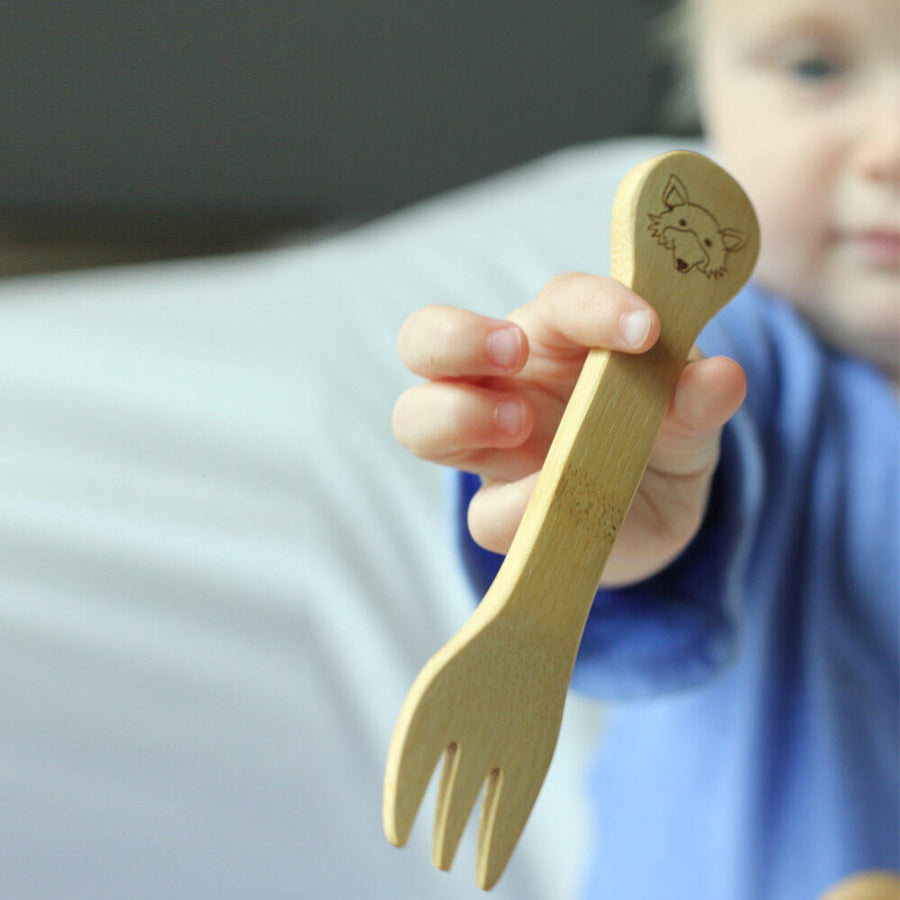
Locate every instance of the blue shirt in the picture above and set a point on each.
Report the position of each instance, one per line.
(757, 755)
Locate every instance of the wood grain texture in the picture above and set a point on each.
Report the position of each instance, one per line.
(685, 237)
(875, 885)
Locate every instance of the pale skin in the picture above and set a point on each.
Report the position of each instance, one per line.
(799, 99)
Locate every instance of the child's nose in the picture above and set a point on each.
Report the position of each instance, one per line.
(878, 153)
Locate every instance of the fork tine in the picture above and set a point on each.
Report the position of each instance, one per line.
(406, 778)
(503, 817)
(461, 780)
(416, 747)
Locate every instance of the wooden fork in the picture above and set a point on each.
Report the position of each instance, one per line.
(684, 236)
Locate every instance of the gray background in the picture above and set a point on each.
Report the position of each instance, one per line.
(156, 118)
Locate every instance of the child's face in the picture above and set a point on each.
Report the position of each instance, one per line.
(801, 101)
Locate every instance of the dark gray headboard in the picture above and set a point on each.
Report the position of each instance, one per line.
(230, 116)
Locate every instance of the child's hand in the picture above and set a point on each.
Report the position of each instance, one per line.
(496, 391)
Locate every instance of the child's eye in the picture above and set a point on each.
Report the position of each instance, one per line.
(814, 68)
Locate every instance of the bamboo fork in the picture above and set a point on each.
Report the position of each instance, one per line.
(684, 236)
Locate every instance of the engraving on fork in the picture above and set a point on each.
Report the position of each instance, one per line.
(692, 233)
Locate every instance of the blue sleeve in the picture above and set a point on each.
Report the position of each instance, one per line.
(677, 628)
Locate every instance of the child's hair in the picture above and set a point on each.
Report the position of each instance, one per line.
(674, 41)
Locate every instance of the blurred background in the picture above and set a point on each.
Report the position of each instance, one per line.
(220, 573)
(153, 129)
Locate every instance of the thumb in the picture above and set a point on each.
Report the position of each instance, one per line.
(709, 392)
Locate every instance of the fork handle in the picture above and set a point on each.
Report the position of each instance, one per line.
(587, 483)
(601, 448)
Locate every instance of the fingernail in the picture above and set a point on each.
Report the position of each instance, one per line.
(635, 327)
(504, 346)
(508, 417)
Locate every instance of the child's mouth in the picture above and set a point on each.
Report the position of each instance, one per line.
(881, 247)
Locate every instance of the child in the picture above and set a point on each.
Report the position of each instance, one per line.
(758, 566)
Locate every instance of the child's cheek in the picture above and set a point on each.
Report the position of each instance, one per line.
(792, 242)
(790, 187)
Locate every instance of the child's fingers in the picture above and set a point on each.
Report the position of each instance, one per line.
(496, 511)
(576, 310)
(446, 421)
(709, 392)
(445, 342)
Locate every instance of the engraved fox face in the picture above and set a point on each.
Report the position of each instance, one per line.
(692, 233)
